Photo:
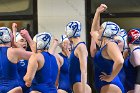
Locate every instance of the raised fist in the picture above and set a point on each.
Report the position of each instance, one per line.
(101, 8)
(24, 33)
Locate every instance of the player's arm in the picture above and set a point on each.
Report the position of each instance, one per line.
(32, 68)
(82, 55)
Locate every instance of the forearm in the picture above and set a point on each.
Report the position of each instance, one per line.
(92, 47)
(96, 22)
(28, 78)
(84, 81)
(31, 70)
(53, 48)
(116, 69)
(31, 43)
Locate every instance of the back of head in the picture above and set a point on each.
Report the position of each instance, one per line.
(63, 38)
(122, 33)
(43, 40)
(110, 29)
(123, 36)
(73, 29)
(5, 36)
(133, 36)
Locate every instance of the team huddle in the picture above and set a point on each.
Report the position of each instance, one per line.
(43, 70)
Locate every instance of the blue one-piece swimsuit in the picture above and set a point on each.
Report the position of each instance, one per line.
(75, 72)
(130, 73)
(64, 82)
(22, 69)
(45, 78)
(8, 72)
(104, 65)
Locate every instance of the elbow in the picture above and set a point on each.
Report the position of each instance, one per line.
(92, 52)
(27, 78)
(120, 62)
(84, 72)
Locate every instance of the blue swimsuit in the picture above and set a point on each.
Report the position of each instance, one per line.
(130, 74)
(8, 72)
(64, 82)
(75, 72)
(22, 69)
(45, 78)
(104, 65)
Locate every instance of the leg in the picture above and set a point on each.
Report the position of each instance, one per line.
(131, 91)
(16, 90)
(110, 88)
(35, 92)
(61, 91)
(77, 88)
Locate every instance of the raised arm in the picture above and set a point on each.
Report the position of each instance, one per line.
(14, 30)
(24, 33)
(96, 22)
(82, 55)
(53, 47)
(93, 48)
(21, 53)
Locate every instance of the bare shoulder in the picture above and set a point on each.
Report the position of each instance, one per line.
(81, 50)
(112, 45)
(81, 47)
(38, 56)
(58, 58)
(11, 50)
(136, 53)
(11, 55)
(16, 50)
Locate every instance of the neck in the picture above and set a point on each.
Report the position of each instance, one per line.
(104, 41)
(39, 51)
(76, 40)
(132, 47)
(64, 53)
(6, 45)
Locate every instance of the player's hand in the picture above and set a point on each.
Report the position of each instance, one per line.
(24, 33)
(101, 8)
(105, 77)
(14, 27)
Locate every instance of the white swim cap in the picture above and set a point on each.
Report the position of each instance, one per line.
(43, 40)
(110, 29)
(63, 38)
(73, 29)
(18, 36)
(5, 35)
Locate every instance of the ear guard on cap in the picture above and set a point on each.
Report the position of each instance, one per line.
(73, 29)
(5, 35)
(42, 40)
(133, 36)
(110, 29)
